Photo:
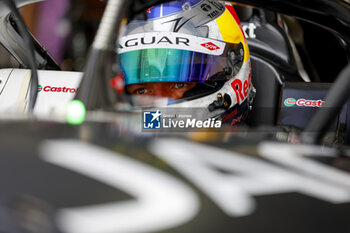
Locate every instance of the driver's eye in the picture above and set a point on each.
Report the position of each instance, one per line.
(141, 91)
(180, 85)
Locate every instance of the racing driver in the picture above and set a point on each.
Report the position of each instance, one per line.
(192, 52)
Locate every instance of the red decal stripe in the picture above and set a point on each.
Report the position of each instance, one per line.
(233, 13)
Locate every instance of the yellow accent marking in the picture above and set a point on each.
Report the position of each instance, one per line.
(231, 32)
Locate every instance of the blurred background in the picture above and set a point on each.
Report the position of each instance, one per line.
(52, 21)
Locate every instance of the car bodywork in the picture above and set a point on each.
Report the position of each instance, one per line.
(104, 176)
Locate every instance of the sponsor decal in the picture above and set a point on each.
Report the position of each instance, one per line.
(217, 4)
(57, 89)
(170, 40)
(210, 46)
(205, 7)
(303, 102)
(214, 14)
(241, 89)
(290, 102)
(249, 30)
(230, 116)
(212, 8)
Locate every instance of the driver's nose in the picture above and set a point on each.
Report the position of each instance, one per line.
(165, 90)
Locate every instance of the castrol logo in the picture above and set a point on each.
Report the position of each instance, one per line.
(289, 102)
(57, 89)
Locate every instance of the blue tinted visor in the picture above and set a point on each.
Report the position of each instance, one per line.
(169, 65)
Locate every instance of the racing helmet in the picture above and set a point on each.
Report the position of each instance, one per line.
(198, 42)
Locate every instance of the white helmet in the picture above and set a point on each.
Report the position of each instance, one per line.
(191, 41)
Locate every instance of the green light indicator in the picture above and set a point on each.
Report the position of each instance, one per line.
(76, 112)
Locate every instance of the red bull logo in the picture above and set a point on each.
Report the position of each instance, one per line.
(241, 89)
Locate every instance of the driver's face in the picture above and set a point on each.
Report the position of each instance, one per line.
(174, 90)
